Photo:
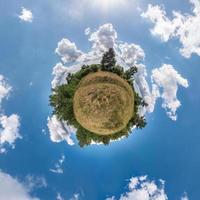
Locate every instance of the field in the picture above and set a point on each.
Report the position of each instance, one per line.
(103, 103)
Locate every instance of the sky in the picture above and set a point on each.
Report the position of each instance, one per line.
(41, 41)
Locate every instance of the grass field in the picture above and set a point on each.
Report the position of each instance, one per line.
(103, 103)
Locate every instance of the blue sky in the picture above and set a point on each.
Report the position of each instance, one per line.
(166, 149)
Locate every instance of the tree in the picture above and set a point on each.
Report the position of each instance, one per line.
(118, 70)
(108, 60)
(144, 104)
(69, 77)
(130, 72)
(140, 122)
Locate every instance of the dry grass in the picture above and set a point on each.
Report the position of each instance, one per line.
(103, 103)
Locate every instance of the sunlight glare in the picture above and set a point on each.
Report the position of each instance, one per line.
(108, 4)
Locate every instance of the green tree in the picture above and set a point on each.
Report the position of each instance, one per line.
(140, 122)
(108, 60)
(130, 72)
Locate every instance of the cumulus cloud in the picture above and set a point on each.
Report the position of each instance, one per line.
(131, 54)
(142, 87)
(140, 188)
(104, 38)
(68, 51)
(60, 72)
(58, 166)
(127, 55)
(9, 125)
(168, 79)
(12, 189)
(26, 15)
(10, 129)
(101, 39)
(59, 130)
(164, 27)
(181, 26)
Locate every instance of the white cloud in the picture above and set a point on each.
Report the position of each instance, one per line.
(181, 26)
(5, 88)
(104, 38)
(26, 15)
(12, 189)
(141, 188)
(185, 197)
(110, 198)
(131, 54)
(9, 132)
(168, 79)
(9, 125)
(60, 72)
(163, 26)
(87, 31)
(59, 131)
(44, 131)
(33, 182)
(68, 51)
(142, 87)
(75, 197)
(59, 197)
(58, 168)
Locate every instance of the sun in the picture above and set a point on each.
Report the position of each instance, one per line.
(108, 4)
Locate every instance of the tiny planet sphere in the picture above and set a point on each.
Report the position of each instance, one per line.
(103, 103)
